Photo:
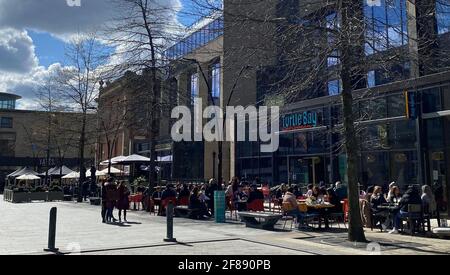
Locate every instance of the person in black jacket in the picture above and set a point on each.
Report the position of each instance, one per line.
(196, 203)
(254, 194)
(411, 197)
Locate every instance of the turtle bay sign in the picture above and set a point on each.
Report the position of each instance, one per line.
(302, 120)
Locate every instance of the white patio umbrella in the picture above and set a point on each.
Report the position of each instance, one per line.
(114, 160)
(134, 159)
(28, 177)
(97, 174)
(113, 171)
(73, 175)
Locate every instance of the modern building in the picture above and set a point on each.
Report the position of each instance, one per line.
(291, 50)
(195, 72)
(24, 138)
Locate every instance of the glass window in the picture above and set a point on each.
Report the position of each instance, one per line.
(396, 105)
(6, 122)
(435, 132)
(216, 77)
(371, 79)
(334, 87)
(386, 24)
(373, 109)
(285, 144)
(402, 134)
(194, 86)
(443, 16)
(374, 137)
(432, 100)
(403, 168)
(375, 168)
(300, 143)
(446, 97)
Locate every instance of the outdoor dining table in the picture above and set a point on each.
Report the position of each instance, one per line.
(322, 210)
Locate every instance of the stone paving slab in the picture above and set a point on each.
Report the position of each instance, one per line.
(24, 227)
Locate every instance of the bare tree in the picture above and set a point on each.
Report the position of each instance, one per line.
(140, 34)
(78, 87)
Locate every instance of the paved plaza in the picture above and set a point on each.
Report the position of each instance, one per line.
(24, 230)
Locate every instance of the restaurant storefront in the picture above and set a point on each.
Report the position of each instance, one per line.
(392, 147)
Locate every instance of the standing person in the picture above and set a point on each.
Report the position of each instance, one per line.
(93, 175)
(103, 196)
(213, 187)
(85, 189)
(111, 199)
(93, 189)
(123, 204)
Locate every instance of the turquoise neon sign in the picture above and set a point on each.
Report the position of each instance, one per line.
(299, 121)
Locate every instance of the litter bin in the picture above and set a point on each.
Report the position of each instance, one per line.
(219, 206)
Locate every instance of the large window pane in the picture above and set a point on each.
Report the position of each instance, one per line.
(443, 16)
(402, 134)
(432, 100)
(396, 105)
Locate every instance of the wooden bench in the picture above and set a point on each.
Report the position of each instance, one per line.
(95, 201)
(442, 232)
(266, 221)
(184, 212)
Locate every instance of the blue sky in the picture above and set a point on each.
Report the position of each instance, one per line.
(50, 50)
(32, 35)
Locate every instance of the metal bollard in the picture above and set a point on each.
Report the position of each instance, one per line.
(52, 232)
(169, 214)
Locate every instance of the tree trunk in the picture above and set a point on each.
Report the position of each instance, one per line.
(81, 160)
(352, 49)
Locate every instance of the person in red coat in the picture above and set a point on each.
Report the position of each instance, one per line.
(123, 204)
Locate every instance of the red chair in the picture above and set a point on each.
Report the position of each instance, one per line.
(345, 208)
(183, 201)
(256, 206)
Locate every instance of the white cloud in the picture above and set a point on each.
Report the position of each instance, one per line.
(25, 84)
(16, 51)
(20, 72)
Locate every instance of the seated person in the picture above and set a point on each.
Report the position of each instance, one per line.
(334, 200)
(291, 201)
(340, 191)
(297, 192)
(377, 199)
(309, 193)
(184, 192)
(240, 199)
(317, 194)
(428, 200)
(169, 192)
(255, 194)
(411, 197)
(394, 195)
(196, 203)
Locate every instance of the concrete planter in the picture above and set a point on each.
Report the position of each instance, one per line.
(55, 196)
(38, 196)
(16, 197)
